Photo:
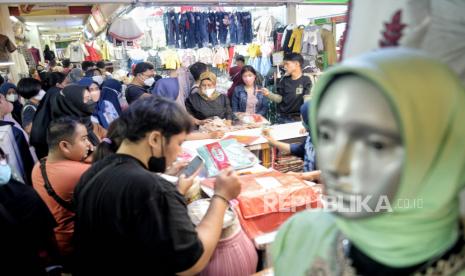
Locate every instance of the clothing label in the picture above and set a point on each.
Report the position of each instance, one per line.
(299, 90)
(218, 155)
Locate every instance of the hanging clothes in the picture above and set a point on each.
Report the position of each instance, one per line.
(6, 47)
(295, 42)
(312, 43)
(76, 52)
(329, 46)
(35, 54)
(93, 54)
(286, 38)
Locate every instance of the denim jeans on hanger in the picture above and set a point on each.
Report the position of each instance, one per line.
(191, 34)
(183, 30)
(223, 28)
(173, 29)
(198, 29)
(204, 28)
(233, 28)
(247, 27)
(212, 29)
(167, 26)
(240, 28)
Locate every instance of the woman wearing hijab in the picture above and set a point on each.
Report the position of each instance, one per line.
(105, 111)
(75, 75)
(96, 75)
(77, 101)
(49, 55)
(167, 88)
(208, 102)
(9, 90)
(112, 91)
(407, 154)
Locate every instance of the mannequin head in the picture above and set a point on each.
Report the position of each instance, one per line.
(361, 156)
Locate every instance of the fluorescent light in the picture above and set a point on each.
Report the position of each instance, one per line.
(13, 18)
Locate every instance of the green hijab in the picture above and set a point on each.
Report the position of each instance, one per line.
(429, 103)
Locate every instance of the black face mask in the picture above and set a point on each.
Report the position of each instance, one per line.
(157, 164)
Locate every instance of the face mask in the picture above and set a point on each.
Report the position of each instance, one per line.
(157, 164)
(40, 96)
(12, 98)
(98, 79)
(209, 92)
(149, 82)
(5, 174)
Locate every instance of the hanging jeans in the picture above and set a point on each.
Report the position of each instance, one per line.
(198, 29)
(204, 29)
(191, 33)
(167, 26)
(247, 27)
(212, 29)
(233, 28)
(173, 29)
(223, 18)
(240, 28)
(183, 30)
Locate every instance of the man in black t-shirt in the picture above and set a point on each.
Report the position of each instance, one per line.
(129, 220)
(144, 73)
(293, 88)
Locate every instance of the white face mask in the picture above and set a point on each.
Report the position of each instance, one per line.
(98, 79)
(209, 92)
(149, 82)
(40, 96)
(12, 98)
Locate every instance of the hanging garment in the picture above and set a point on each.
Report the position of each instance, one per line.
(35, 54)
(220, 57)
(76, 52)
(295, 42)
(286, 38)
(170, 59)
(329, 46)
(93, 54)
(265, 27)
(6, 47)
(205, 55)
(312, 42)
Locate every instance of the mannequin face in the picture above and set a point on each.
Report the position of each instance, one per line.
(360, 150)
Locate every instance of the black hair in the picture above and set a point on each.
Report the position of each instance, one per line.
(2, 80)
(66, 63)
(154, 114)
(85, 65)
(101, 64)
(2, 154)
(91, 72)
(47, 48)
(240, 58)
(142, 68)
(248, 68)
(52, 63)
(197, 69)
(61, 129)
(29, 87)
(294, 57)
(55, 78)
(110, 146)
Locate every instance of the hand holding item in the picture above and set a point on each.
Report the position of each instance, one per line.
(177, 167)
(267, 135)
(264, 91)
(184, 184)
(228, 185)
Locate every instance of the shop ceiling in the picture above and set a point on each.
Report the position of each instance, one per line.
(183, 2)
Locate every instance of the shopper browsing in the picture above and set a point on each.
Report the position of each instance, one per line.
(196, 70)
(31, 90)
(55, 177)
(130, 221)
(235, 74)
(245, 97)
(291, 90)
(208, 102)
(143, 80)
